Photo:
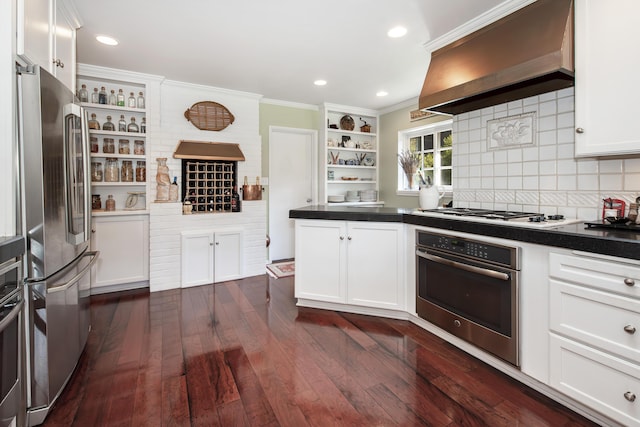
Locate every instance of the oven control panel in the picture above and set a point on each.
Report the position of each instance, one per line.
(497, 254)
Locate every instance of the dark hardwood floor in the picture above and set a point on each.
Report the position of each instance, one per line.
(225, 355)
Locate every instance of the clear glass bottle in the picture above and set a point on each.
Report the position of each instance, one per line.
(140, 100)
(94, 144)
(122, 124)
(141, 171)
(83, 94)
(120, 98)
(131, 102)
(110, 204)
(108, 147)
(126, 171)
(143, 125)
(96, 203)
(108, 125)
(95, 96)
(113, 99)
(132, 127)
(93, 123)
(124, 146)
(138, 147)
(111, 170)
(102, 96)
(96, 172)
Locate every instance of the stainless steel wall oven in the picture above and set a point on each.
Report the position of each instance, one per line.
(469, 288)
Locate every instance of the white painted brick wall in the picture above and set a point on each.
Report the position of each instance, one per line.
(166, 219)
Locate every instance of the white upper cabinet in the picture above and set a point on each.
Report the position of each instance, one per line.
(606, 91)
(46, 36)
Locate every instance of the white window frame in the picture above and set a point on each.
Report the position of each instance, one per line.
(404, 136)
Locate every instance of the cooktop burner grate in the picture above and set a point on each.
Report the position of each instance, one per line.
(484, 213)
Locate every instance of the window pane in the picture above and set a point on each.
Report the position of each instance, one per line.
(445, 158)
(445, 177)
(446, 139)
(428, 142)
(427, 161)
(428, 174)
(414, 143)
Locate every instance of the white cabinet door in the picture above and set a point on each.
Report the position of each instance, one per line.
(227, 255)
(606, 64)
(320, 260)
(34, 38)
(197, 258)
(375, 270)
(123, 243)
(64, 50)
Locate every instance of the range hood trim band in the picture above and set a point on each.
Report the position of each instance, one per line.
(202, 150)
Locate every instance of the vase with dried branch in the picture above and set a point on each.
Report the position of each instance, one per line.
(409, 162)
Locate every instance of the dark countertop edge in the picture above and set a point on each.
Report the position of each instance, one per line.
(11, 247)
(573, 237)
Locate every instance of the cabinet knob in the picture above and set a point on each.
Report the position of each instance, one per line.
(211, 244)
(457, 323)
(217, 243)
(579, 130)
(349, 238)
(630, 396)
(58, 63)
(309, 200)
(341, 237)
(629, 282)
(630, 329)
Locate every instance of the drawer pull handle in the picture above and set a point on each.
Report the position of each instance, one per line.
(631, 397)
(629, 282)
(630, 329)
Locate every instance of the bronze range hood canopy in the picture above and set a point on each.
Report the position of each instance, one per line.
(201, 150)
(526, 53)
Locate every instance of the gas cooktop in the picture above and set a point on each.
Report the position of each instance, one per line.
(513, 218)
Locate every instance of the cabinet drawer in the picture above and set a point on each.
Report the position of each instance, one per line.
(602, 319)
(596, 379)
(610, 276)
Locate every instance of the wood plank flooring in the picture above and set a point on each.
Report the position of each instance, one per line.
(226, 355)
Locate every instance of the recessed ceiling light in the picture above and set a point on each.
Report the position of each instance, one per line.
(382, 93)
(396, 32)
(320, 82)
(107, 40)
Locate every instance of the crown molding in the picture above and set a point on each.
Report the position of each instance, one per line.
(289, 104)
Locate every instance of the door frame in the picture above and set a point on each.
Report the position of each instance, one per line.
(313, 133)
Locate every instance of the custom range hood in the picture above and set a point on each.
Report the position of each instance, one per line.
(208, 151)
(526, 53)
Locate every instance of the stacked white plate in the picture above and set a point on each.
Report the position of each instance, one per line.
(368, 195)
(353, 196)
(336, 199)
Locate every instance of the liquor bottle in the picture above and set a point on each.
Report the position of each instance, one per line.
(108, 125)
(93, 123)
(131, 102)
(235, 200)
(143, 125)
(140, 101)
(102, 96)
(122, 125)
(95, 96)
(132, 127)
(83, 94)
(113, 99)
(120, 98)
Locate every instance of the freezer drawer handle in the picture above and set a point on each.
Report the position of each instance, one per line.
(470, 268)
(630, 329)
(630, 396)
(78, 276)
(11, 316)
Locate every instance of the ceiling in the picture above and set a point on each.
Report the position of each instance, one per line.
(277, 48)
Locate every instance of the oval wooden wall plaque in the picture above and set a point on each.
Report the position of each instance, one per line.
(209, 115)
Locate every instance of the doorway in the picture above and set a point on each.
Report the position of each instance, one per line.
(293, 183)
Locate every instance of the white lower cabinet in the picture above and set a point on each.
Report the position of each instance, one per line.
(594, 312)
(123, 242)
(350, 262)
(211, 256)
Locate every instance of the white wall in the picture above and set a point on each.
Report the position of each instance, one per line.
(166, 219)
(546, 178)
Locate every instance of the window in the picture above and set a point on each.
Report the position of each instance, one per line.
(432, 145)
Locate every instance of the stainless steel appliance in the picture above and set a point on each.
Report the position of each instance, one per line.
(469, 288)
(56, 206)
(11, 349)
(509, 218)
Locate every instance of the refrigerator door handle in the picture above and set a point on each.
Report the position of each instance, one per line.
(84, 128)
(78, 276)
(12, 315)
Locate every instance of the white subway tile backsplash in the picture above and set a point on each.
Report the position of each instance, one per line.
(500, 169)
(514, 182)
(531, 198)
(547, 167)
(565, 120)
(500, 183)
(565, 104)
(548, 152)
(530, 182)
(547, 123)
(611, 166)
(514, 169)
(610, 182)
(632, 182)
(500, 156)
(588, 182)
(565, 136)
(565, 151)
(567, 183)
(548, 137)
(514, 155)
(548, 108)
(532, 100)
(587, 166)
(548, 182)
(530, 169)
(632, 165)
(530, 154)
(566, 167)
(475, 123)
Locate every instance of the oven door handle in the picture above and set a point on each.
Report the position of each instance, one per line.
(466, 267)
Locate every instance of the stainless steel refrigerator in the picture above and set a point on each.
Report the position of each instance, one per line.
(57, 220)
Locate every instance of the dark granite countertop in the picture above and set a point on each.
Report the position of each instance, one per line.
(575, 236)
(11, 247)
